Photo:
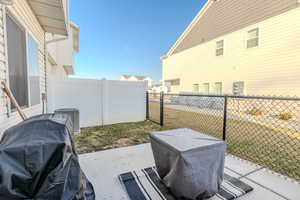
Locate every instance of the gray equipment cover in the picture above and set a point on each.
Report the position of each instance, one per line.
(191, 164)
(38, 161)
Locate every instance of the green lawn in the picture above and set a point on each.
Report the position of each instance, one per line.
(114, 136)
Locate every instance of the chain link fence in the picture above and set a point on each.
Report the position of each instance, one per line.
(264, 130)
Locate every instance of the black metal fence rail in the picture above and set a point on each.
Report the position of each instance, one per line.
(261, 129)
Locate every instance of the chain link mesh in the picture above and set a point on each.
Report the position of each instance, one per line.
(154, 107)
(203, 114)
(267, 132)
(263, 130)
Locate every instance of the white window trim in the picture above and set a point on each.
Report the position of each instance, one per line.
(198, 87)
(220, 48)
(28, 80)
(209, 87)
(16, 20)
(215, 85)
(258, 36)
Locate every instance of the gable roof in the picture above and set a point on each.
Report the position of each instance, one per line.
(137, 77)
(220, 17)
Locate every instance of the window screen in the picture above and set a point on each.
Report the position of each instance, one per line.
(196, 88)
(238, 88)
(218, 88)
(253, 37)
(173, 82)
(220, 48)
(206, 88)
(33, 71)
(16, 46)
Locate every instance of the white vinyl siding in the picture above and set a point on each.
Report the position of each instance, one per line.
(22, 12)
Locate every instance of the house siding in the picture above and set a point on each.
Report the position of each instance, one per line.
(22, 12)
(272, 68)
(226, 16)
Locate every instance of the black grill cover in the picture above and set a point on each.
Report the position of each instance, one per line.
(38, 161)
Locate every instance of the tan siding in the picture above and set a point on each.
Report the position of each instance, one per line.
(226, 16)
(22, 12)
(273, 68)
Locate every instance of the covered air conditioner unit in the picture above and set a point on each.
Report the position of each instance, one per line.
(73, 113)
(6, 2)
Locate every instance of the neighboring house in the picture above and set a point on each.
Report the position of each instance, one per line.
(239, 47)
(158, 88)
(37, 41)
(137, 78)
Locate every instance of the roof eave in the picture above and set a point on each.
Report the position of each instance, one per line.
(188, 29)
(69, 69)
(52, 15)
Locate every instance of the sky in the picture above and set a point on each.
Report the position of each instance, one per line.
(128, 36)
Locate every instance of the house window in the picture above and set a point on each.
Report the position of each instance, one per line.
(253, 38)
(33, 71)
(206, 88)
(23, 68)
(17, 70)
(220, 48)
(196, 88)
(173, 82)
(238, 88)
(218, 87)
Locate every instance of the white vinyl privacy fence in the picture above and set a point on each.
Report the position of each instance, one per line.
(100, 102)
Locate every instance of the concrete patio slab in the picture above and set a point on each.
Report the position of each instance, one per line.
(103, 168)
(286, 187)
(260, 193)
(240, 166)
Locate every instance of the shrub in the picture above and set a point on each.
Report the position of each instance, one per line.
(285, 116)
(255, 112)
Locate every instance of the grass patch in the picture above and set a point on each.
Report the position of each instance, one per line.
(114, 136)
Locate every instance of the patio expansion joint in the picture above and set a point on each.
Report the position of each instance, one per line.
(252, 172)
(294, 181)
(251, 180)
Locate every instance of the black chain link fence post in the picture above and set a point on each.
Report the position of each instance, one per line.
(225, 117)
(147, 105)
(162, 109)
